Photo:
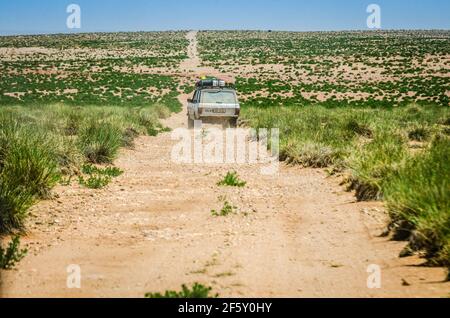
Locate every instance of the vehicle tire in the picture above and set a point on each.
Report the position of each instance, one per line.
(233, 122)
(190, 123)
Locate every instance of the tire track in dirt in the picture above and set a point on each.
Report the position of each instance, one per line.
(297, 234)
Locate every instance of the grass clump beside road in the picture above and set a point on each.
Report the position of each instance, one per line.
(196, 291)
(373, 164)
(99, 142)
(418, 197)
(28, 169)
(400, 155)
(43, 145)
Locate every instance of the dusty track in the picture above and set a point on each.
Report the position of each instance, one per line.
(152, 230)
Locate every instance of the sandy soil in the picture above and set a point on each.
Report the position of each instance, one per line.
(295, 234)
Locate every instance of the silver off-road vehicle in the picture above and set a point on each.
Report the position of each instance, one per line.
(214, 101)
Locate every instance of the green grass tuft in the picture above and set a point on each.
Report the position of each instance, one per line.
(374, 163)
(310, 154)
(196, 291)
(98, 177)
(231, 179)
(100, 142)
(418, 198)
(226, 209)
(419, 134)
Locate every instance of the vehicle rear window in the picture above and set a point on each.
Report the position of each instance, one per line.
(218, 97)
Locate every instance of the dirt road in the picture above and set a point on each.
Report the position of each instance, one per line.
(297, 233)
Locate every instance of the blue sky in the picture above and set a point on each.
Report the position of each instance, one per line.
(49, 16)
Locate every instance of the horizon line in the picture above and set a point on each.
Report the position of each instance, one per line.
(50, 33)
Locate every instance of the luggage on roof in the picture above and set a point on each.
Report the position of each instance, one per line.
(211, 82)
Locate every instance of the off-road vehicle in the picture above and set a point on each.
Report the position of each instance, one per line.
(214, 101)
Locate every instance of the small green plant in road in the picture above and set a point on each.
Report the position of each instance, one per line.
(97, 177)
(95, 182)
(196, 291)
(232, 180)
(10, 256)
(227, 208)
(108, 171)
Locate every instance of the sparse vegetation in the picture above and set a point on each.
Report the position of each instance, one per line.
(98, 177)
(358, 69)
(231, 179)
(53, 116)
(196, 291)
(226, 209)
(371, 147)
(339, 115)
(91, 69)
(371, 106)
(43, 145)
(95, 181)
(12, 255)
(108, 171)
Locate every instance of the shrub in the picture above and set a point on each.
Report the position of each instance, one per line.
(232, 180)
(10, 256)
(95, 181)
(196, 291)
(97, 177)
(227, 208)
